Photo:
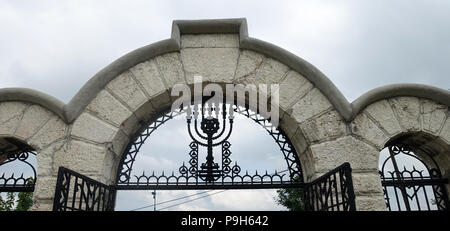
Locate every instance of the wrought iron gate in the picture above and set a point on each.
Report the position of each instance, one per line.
(413, 188)
(332, 191)
(209, 126)
(75, 192)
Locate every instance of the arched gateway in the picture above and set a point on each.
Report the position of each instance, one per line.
(89, 144)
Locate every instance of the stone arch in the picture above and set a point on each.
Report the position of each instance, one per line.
(35, 119)
(415, 120)
(89, 133)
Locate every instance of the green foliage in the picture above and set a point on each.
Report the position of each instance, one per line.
(7, 204)
(25, 199)
(291, 198)
(23, 203)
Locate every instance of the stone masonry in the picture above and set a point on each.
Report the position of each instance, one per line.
(92, 143)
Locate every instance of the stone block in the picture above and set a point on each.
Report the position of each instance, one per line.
(210, 40)
(105, 106)
(329, 155)
(248, 66)
(81, 157)
(213, 64)
(382, 112)
(288, 125)
(34, 117)
(53, 130)
(171, 69)
(445, 132)
(45, 159)
(299, 141)
(363, 127)
(407, 110)
(128, 90)
(312, 104)
(271, 72)
(10, 115)
(370, 203)
(147, 74)
(433, 116)
(45, 187)
(367, 183)
(327, 126)
(91, 128)
(293, 87)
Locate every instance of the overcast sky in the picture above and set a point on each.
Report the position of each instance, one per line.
(56, 46)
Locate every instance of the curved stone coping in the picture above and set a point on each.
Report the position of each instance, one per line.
(87, 93)
(403, 89)
(33, 96)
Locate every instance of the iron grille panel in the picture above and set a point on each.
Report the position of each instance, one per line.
(413, 189)
(210, 175)
(332, 191)
(75, 192)
(12, 183)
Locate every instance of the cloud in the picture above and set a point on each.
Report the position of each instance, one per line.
(57, 46)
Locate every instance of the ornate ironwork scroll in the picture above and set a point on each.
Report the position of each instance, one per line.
(210, 127)
(331, 192)
(16, 152)
(75, 192)
(412, 189)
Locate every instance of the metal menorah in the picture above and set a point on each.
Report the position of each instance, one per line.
(209, 136)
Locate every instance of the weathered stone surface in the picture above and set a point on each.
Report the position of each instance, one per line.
(108, 108)
(45, 187)
(312, 104)
(33, 118)
(327, 126)
(433, 115)
(45, 159)
(209, 40)
(299, 141)
(119, 143)
(271, 72)
(89, 127)
(148, 75)
(248, 66)
(366, 183)
(124, 87)
(307, 162)
(10, 116)
(288, 125)
(109, 171)
(171, 68)
(445, 132)
(53, 130)
(363, 127)
(407, 110)
(382, 112)
(293, 87)
(131, 125)
(370, 203)
(81, 157)
(42, 204)
(330, 154)
(213, 64)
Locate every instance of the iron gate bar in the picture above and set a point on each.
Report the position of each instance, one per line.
(413, 180)
(209, 175)
(86, 194)
(318, 195)
(174, 186)
(18, 183)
